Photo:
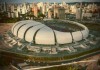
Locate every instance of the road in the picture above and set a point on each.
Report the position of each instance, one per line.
(58, 62)
(44, 67)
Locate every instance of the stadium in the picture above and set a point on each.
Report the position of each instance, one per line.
(48, 41)
(47, 34)
(42, 34)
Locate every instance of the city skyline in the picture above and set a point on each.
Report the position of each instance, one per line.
(58, 1)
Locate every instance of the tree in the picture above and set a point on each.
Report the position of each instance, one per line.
(23, 16)
(40, 15)
(3, 17)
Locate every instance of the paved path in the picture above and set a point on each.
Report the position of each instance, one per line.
(44, 67)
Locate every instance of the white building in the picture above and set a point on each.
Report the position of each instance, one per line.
(79, 13)
(23, 8)
(40, 6)
(73, 9)
(41, 34)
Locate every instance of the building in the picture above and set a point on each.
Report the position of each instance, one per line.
(79, 13)
(87, 15)
(63, 3)
(42, 43)
(44, 39)
(59, 12)
(3, 7)
(12, 11)
(42, 34)
(50, 13)
(40, 6)
(44, 10)
(35, 10)
(73, 9)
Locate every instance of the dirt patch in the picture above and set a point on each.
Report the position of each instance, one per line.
(5, 27)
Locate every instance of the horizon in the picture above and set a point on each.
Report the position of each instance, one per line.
(50, 1)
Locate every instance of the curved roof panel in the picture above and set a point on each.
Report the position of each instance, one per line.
(77, 36)
(31, 32)
(63, 37)
(45, 36)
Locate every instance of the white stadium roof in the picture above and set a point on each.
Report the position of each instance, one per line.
(30, 30)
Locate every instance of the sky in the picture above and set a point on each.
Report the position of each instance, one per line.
(31, 1)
